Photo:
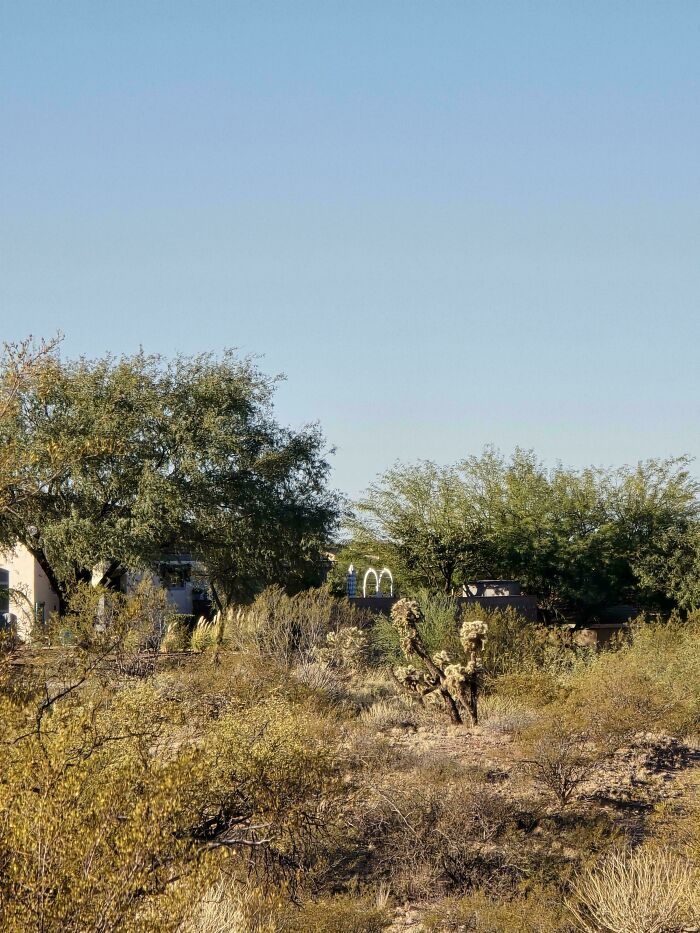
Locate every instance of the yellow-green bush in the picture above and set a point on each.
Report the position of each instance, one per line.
(339, 914)
(539, 912)
(651, 683)
(288, 629)
(119, 797)
(93, 826)
(268, 787)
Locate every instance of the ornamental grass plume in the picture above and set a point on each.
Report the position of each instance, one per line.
(648, 890)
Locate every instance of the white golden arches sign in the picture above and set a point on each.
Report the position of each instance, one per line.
(378, 577)
(370, 572)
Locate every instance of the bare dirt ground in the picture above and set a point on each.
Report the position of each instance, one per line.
(652, 770)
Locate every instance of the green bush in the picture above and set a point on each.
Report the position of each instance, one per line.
(289, 629)
(514, 645)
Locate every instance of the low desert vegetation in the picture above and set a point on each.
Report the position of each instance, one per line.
(270, 771)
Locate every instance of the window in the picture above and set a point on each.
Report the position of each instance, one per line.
(174, 576)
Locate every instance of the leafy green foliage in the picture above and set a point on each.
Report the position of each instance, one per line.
(138, 455)
(423, 520)
(580, 540)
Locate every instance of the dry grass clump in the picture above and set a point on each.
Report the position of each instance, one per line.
(228, 908)
(176, 638)
(505, 715)
(340, 914)
(538, 912)
(396, 713)
(648, 890)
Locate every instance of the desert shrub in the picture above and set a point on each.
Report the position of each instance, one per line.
(676, 824)
(534, 689)
(539, 912)
(427, 836)
(560, 754)
(648, 890)
(339, 914)
(650, 683)
(121, 797)
(268, 789)
(439, 626)
(93, 827)
(331, 666)
(370, 686)
(104, 621)
(321, 678)
(514, 645)
(289, 628)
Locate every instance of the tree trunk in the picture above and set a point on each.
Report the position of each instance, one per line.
(448, 573)
(452, 707)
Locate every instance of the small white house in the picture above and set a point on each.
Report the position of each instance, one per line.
(27, 597)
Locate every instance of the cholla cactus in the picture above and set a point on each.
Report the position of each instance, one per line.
(411, 678)
(473, 635)
(344, 649)
(455, 683)
(406, 614)
(442, 659)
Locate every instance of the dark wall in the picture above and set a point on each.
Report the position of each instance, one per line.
(525, 605)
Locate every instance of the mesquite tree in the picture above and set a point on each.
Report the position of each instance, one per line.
(118, 461)
(456, 683)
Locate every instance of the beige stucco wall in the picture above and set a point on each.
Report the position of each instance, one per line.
(32, 586)
(27, 577)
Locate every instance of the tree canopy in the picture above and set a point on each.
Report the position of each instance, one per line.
(135, 456)
(578, 539)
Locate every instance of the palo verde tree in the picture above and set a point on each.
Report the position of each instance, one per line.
(420, 518)
(138, 455)
(578, 539)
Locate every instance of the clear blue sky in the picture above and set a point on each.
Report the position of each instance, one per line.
(449, 223)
